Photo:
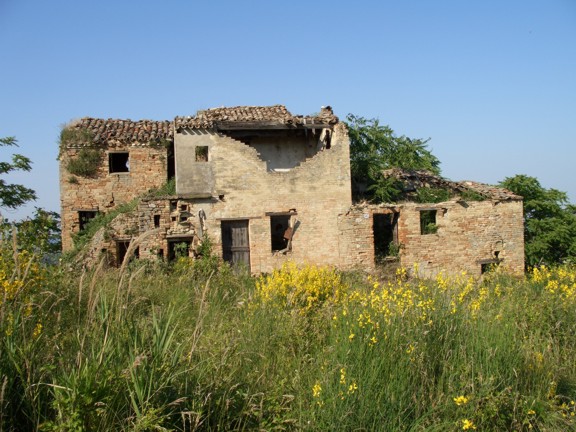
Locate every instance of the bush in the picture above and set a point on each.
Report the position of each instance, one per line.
(204, 347)
(86, 163)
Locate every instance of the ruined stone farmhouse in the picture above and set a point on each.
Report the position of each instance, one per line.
(265, 186)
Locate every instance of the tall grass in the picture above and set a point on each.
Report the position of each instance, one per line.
(199, 346)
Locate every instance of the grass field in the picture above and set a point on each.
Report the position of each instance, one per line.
(199, 346)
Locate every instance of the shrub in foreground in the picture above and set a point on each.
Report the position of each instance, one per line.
(203, 347)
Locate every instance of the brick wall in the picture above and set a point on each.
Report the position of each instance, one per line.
(242, 188)
(468, 235)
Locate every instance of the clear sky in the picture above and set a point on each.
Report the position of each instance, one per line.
(491, 82)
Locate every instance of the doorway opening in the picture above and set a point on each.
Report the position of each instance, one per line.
(235, 242)
(385, 230)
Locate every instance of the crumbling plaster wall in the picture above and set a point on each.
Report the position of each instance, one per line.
(468, 234)
(242, 188)
(286, 152)
(104, 191)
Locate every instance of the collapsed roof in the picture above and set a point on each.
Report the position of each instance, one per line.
(418, 179)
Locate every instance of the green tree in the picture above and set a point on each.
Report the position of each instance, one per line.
(40, 232)
(14, 195)
(375, 148)
(549, 221)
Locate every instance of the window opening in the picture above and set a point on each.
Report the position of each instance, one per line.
(179, 248)
(385, 230)
(170, 163)
(156, 221)
(121, 249)
(84, 217)
(281, 232)
(488, 266)
(201, 153)
(118, 162)
(428, 222)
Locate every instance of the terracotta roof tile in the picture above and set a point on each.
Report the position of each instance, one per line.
(494, 192)
(146, 132)
(422, 178)
(142, 132)
(210, 118)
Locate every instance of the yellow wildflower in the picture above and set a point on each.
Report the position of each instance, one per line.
(342, 376)
(460, 400)
(37, 331)
(317, 390)
(468, 424)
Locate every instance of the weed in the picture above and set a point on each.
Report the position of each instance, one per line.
(86, 163)
(200, 346)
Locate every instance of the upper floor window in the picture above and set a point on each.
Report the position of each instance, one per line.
(201, 153)
(118, 162)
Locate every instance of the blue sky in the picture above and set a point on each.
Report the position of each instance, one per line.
(491, 82)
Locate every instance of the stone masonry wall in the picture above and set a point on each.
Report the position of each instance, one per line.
(469, 234)
(104, 191)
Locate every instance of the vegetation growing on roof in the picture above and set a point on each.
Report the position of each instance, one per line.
(433, 195)
(73, 136)
(375, 148)
(439, 194)
(471, 195)
(86, 162)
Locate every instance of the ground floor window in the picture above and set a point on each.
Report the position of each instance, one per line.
(281, 232)
(179, 248)
(488, 265)
(85, 216)
(428, 222)
(122, 247)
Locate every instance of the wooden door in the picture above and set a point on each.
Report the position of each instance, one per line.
(235, 242)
